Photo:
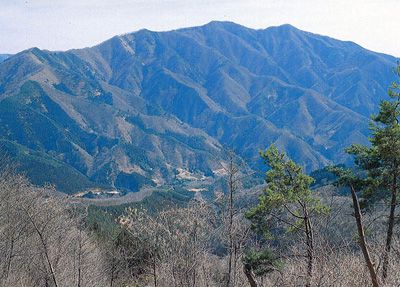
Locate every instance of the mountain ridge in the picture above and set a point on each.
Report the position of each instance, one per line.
(182, 97)
(3, 57)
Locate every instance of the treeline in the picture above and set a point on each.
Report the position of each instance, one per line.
(288, 234)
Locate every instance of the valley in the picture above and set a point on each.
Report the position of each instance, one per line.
(135, 109)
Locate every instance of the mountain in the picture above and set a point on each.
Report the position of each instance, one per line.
(152, 107)
(3, 57)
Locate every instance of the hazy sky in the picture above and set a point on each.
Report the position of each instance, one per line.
(65, 24)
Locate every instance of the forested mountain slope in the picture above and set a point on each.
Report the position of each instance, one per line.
(147, 107)
(3, 57)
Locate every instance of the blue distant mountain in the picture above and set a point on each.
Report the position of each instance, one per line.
(3, 57)
(148, 107)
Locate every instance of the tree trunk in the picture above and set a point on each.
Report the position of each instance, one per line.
(112, 276)
(154, 272)
(79, 258)
(310, 247)
(362, 240)
(250, 277)
(389, 234)
(234, 265)
(113, 268)
(44, 245)
(232, 172)
(10, 257)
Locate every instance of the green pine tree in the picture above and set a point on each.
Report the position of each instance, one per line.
(288, 200)
(381, 162)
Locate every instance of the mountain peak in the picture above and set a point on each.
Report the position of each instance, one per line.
(217, 23)
(229, 25)
(148, 104)
(286, 26)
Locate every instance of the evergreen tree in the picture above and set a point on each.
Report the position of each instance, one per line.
(288, 200)
(381, 162)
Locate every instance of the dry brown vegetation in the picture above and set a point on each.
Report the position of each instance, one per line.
(45, 242)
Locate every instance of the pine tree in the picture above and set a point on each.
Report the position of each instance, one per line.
(381, 162)
(288, 199)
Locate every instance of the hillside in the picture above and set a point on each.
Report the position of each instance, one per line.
(148, 107)
(3, 57)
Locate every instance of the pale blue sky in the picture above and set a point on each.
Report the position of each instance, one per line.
(66, 24)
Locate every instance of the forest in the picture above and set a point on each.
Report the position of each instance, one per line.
(290, 232)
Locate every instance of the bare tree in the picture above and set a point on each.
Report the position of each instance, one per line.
(346, 177)
(41, 243)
